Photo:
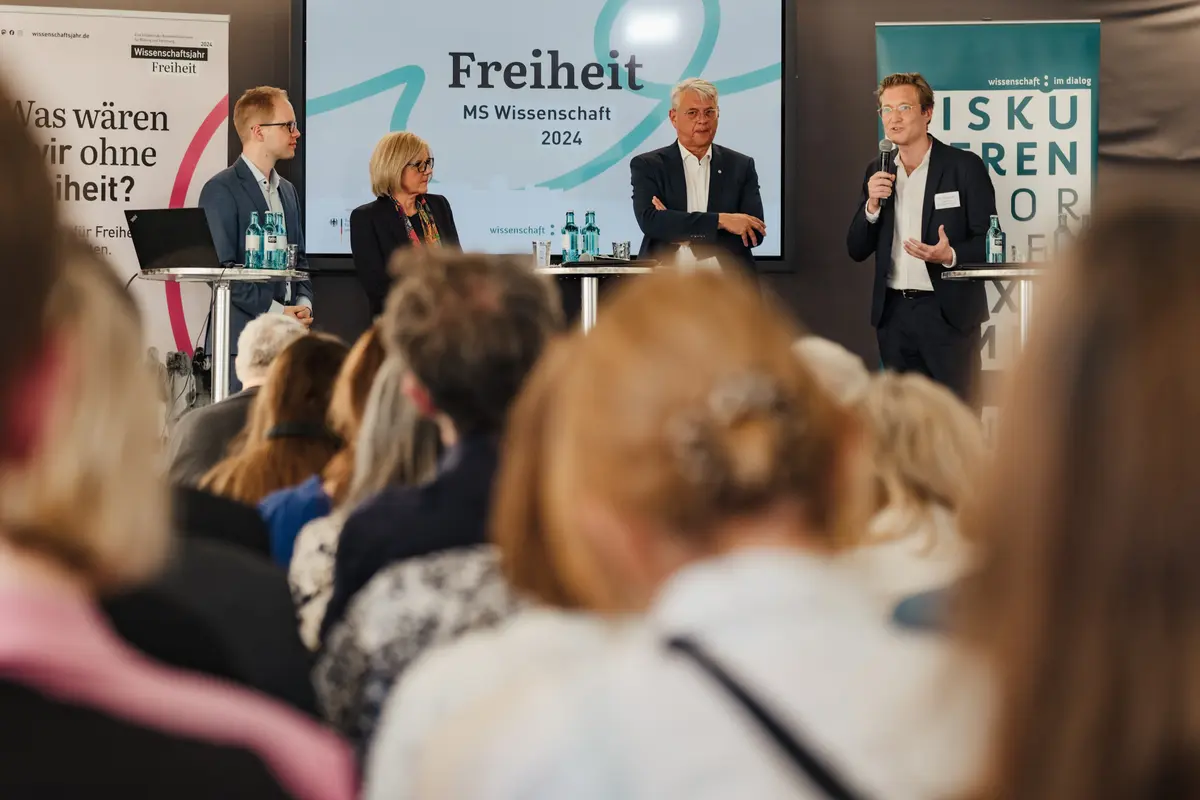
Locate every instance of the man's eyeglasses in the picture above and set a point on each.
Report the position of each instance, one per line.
(692, 114)
(423, 166)
(903, 109)
(291, 126)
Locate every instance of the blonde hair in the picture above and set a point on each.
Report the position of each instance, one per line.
(393, 153)
(685, 407)
(253, 108)
(696, 85)
(913, 79)
(91, 497)
(842, 373)
(928, 447)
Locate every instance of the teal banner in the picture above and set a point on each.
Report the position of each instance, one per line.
(1025, 97)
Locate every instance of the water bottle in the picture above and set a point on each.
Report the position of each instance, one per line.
(995, 242)
(270, 242)
(591, 235)
(281, 257)
(1062, 236)
(254, 243)
(570, 239)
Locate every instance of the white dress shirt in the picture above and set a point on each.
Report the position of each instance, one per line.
(270, 190)
(898, 716)
(696, 172)
(908, 196)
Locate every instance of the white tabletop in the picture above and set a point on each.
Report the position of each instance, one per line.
(209, 274)
(992, 273)
(598, 270)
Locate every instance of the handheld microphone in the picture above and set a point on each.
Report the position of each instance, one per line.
(887, 161)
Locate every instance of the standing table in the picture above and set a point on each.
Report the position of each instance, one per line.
(590, 274)
(221, 278)
(1023, 274)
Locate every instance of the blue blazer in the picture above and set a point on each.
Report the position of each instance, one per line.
(227, 200)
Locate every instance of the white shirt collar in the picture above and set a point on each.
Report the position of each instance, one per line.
(683, 151)
(924, 159)
(258, 176)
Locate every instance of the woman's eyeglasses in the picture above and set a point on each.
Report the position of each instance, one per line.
(423, 166)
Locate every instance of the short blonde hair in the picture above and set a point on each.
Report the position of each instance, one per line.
(697, 85)
(842, 373)
(393, 153)
(913, 79)
(928, 446)
(253, 108)
(92, 496)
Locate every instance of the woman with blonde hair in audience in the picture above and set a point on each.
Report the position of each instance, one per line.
(286, 439)
(927, 451)
(395, 445)
(554, 633)
(288, 510)
(82, 515)
(1086, 606)
(697, 475)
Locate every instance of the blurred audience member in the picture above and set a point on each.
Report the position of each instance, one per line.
(469, 327)
(287, 438)
(841, 372)
(201, 515)
(288, 510)
(927, 450)
(700, 475)
(82, 514)
(553, 634)
(1086, 603)
(396, 446)
(202, 437)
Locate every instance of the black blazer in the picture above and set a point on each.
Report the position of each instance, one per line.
(963, 303)
(376, 231)
(732, 189)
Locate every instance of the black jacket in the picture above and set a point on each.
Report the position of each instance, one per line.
(963, 303)
(732, 189)
(377, 231)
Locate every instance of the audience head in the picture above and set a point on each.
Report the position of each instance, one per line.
(401, 165)
(30, 364)
(841, 372)
(349, 400)
(469, 326)
(89, 497)
(261, 342)
(286, 439)
(266, 123)
(927, 447)
(1086, 600)
(684, 427)
(518, 524)
(396, 445)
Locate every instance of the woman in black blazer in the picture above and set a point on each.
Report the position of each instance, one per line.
(402, 214)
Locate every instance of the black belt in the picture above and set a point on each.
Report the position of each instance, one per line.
(912, 294)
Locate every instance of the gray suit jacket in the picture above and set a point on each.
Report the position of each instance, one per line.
(201, 437)
(227, 200)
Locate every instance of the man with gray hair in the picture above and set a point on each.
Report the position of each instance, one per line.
(693, 193)
(202, 437)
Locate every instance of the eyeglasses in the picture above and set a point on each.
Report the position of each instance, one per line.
(903, 109)
(692, 114)
(423, 166)
(291, 126)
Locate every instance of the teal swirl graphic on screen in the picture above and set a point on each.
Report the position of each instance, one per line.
(411, 79)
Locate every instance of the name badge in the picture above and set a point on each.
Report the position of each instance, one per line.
(946, 200)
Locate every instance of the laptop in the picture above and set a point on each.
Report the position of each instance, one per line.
(172, 238)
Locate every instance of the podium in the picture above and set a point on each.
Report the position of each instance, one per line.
(221, 278)
(1023, 274)
(589, 274)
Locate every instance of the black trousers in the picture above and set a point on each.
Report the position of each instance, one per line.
(915, 337)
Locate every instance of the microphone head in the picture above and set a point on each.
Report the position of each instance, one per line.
(887, 146)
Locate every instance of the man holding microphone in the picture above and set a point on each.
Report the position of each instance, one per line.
(929, 215)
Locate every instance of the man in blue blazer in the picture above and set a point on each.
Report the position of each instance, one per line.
(929, 215)
(693, 194)
(266, 124)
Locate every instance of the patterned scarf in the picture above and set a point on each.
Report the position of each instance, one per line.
(428, 226)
